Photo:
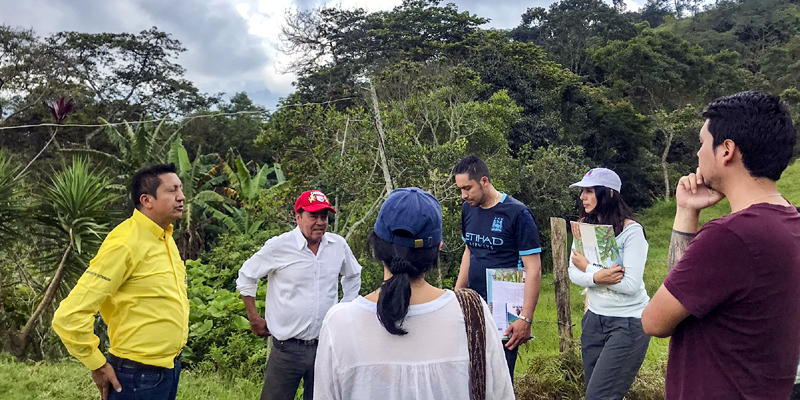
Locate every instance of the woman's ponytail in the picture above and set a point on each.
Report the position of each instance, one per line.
(395, 295)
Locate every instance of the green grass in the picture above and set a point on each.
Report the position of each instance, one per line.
(69, 380)
(541, 373)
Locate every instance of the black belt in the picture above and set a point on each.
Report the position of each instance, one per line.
(118, 362)
(311, 342)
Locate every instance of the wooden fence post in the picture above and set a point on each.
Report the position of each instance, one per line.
(558, 237)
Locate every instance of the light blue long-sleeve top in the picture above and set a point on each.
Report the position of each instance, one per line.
(629, 297)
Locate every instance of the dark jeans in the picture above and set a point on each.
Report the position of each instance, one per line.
(144, 382)
(613, 350)
(289, 362)
(511, 359)
(796, 392)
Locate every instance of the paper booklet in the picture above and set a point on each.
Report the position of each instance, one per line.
(597, 243)
(505, 292)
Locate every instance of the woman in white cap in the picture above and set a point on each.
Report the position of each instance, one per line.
(613, 343)
(409, 339)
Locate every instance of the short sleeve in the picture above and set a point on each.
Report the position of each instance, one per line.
(715, 267)
(527, 234)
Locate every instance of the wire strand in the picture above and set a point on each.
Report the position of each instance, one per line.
(180, 119)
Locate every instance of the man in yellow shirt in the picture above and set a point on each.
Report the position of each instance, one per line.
(137, 282)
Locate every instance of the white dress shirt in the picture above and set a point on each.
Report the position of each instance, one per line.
(357, 359)
(301, 285)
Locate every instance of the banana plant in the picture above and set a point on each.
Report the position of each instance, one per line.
(246, 188)
(199, 186)
(237, 220)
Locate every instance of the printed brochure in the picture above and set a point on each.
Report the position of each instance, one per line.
(597, 243)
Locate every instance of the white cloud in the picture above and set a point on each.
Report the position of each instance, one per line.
(631, 5)
(265, 18)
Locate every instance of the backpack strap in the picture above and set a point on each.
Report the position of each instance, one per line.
(475, 322)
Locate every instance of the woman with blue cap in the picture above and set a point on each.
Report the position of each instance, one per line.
(409, 339)
(613, 343)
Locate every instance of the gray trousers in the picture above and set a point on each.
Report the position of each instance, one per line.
(613, 349)
(288, 363)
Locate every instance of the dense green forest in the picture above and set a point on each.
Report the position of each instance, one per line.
(382, 100)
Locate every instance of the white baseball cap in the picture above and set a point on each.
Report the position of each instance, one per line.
(600, 177)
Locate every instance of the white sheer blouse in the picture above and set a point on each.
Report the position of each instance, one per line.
(358, 359)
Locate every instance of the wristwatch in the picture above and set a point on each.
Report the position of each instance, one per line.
(528, 320)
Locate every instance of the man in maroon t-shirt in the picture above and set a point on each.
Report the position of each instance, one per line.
(732, 302)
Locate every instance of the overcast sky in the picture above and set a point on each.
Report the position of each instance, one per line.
(231, 44)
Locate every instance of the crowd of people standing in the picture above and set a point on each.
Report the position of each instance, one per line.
(729, 302)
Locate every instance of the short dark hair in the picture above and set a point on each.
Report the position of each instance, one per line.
(147, 181)
(474, 167)
(761, 127)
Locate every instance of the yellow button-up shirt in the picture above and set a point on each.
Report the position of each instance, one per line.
(138, 283)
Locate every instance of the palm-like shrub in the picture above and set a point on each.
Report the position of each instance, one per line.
(73, 210)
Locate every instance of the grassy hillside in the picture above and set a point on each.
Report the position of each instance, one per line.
(541, 374)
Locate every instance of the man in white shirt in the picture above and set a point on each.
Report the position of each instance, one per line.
(302, 267)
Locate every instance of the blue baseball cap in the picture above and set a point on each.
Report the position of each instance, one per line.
(412, 210)
(600, 177)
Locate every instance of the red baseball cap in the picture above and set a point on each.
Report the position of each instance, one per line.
(313, 201)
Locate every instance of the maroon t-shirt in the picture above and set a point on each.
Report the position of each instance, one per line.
(740, 280)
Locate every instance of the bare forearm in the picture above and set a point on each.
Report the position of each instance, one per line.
(463, 272)
(533, 281)
(250, 306)
(686, 220)
(683, 231)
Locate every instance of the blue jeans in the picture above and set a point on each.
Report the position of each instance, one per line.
(140, 381)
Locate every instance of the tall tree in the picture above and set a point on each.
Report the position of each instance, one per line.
(131, 74)
(24, 67)
(218, 132)
(569, 28)
(653, 12)
(334, 48)
(661, 73)
(658, 70)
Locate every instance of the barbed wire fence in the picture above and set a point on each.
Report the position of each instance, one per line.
(177, 119)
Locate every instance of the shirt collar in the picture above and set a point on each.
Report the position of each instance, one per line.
(151, 226)
(302, 242)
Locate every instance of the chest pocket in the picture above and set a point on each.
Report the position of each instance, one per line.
(155, 276)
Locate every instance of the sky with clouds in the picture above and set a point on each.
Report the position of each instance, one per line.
(232, 45)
